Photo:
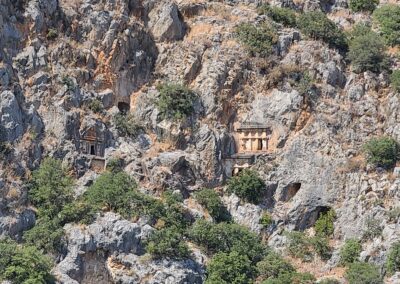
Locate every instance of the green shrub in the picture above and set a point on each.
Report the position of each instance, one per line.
(247, 185)
(227, 268)
(317, 26)
(175, 215)
(78, 211)
(395, 80)
(299, 245)
(363, 273)
(96, 106)
(266, 220)
(373, 229)
(363, 5)
(115, 165)
(127, 125)
(367, 52)
(167, 242)
(321, 247)
(273, 265)
(393, 258)
(113, 191)
(382, 151)
(24, 264)
(350, 251)
(292, 278)
(175, 101)
(388, 18)
(393, 214)
(324, 225)
(69, 82)
(52, 34)
(51, 188)
(224, 237)
(258, 40)
(212, 202)
(329, 281)
(285, 16)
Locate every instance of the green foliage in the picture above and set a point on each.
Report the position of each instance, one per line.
(95, 105)
(382, 151)
(23, 264)
(212, 202)
(52, 34)
(285, 16)
(366, 50)
(373, 228)
(329, 281)
(273, 265)
(69, 82)
(388, 18)
(247, 185)
(230, 268)
(363, 5)
(167, 242)
(324, 225)
(175, 101)
(266, 220)
(127, 125)
(393, 258)
(292, 278)
(115, 165)
(304, 247)
(224, 237)
(317, 26)
(51, 188)
(350, 251)
(46, 235)
(395, 80)
(258, 40)
(363, 273)
(393, 214)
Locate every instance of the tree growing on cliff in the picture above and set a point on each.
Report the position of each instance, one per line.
(247, 186)
(382, 151)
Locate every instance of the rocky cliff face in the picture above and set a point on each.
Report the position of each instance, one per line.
(58, 56)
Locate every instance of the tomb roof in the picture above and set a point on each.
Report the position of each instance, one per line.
(252, 125)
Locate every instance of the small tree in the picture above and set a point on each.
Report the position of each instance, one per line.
(395, 80)
(212, 202)
(258, 40)
(324, 225)
(167, 242)
(51, 188)
(317, 26)
(350, 251)
(363, 5)
(393, 259)
(373, 228)
(227, 268)
(266, 220)
(127, 125)
(367, 52)
(388, 18)
(382, 151)
(247, 185)
(362, 273)
(273, 265)
(175, 101)
(285, 16)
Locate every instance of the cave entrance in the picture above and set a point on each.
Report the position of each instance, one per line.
(289, 191)
(123, 107)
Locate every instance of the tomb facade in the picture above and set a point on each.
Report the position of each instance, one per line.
(252, 138)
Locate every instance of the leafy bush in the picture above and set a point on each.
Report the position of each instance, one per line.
(373, 229)
(367, 51)
(324, 225)
(167, 242)
(212, 202)
(393, 214)
(273, 265)
(382, 151)
(393, 259)
(266, 220)
(285, 16)
(350, 251)
(388, 18)
(96, 106)
(52, 34)
(227, 268)
(127, 125)
(258, 40)
(175, 101)
(329, 281)
(363, 5)
(23, 264)
(395, 80)
(317, 26)
(321, 247)
(247, 185)
(224, 237)
(300, 245)
(362, 273)
(51, 188)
